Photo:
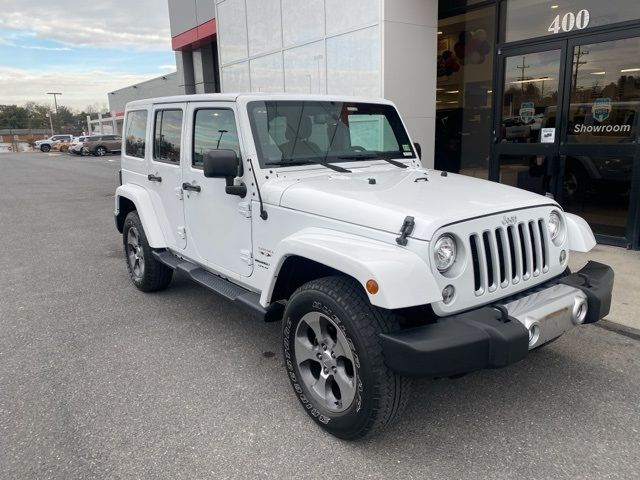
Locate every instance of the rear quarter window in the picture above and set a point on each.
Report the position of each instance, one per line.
(135, 133)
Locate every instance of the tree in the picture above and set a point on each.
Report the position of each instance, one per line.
(12, 116)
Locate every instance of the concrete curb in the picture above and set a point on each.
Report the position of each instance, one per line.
(620, 329)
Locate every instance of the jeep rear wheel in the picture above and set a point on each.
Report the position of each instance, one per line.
(100, 151)
(146, 273)
(334, 358)
(45, 148)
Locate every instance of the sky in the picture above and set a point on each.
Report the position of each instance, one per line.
(82, 49)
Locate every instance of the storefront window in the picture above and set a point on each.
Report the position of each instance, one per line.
(464, 95)
(605, 92)
(539, 18)
(530, 103)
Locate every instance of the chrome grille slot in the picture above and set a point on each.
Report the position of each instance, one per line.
(507, 255)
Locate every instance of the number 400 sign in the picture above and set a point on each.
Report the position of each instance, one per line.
(570, 21)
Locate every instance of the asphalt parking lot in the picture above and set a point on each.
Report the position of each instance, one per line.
(98, 380)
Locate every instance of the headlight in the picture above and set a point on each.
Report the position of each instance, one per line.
(444, 253)
(555, 226)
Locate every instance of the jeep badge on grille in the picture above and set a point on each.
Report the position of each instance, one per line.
(509, 220)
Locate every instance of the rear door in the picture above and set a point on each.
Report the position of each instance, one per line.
(218, 224)
(165, 172)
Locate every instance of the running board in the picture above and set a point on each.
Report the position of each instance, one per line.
(242, 297)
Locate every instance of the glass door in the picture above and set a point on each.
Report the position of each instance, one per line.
(568, 126)
(526, 130)
(600, 136)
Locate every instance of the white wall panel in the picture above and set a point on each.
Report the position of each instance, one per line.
(235, 78)
(353, 63)
(305, 69)
(302, 21)
(345, 15)
(232, 30)
(267, 74)
(265, 31)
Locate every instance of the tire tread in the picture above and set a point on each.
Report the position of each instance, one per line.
(393, 390)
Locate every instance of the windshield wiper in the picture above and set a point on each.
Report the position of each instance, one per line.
(372, 156)
(291, 163)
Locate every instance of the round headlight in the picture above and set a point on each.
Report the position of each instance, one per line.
(444, 253)
(554, 226)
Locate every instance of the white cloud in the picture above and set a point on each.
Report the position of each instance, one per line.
(79, 88)
(48, 49)
(135, 24)
(167, 67)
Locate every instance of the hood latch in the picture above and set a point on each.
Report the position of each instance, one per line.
(405, 231)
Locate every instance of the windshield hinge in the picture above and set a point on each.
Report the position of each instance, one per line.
(244, 209)
(246, 256)
(405, 231)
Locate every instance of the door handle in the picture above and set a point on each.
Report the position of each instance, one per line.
(154, 178)
(192, 188)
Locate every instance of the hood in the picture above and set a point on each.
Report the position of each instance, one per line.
(381, 198)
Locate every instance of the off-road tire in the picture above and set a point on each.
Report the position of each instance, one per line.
(381, 394)
(45, 148)
(155, 275)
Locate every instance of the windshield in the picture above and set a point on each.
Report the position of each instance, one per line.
(298, 132)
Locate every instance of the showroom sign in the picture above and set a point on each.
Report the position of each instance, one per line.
(600, 112)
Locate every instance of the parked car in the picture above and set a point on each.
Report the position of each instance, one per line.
(101, 145)
(77, 145)
(63, 146)
(48, 144)
(316, 210)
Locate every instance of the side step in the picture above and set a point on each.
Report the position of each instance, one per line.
(242, 297)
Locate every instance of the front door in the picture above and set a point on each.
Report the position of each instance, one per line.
(568, 128)
(218, 224)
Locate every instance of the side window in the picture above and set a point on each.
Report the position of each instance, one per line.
(213, 129)
(135, 133)
(167, 135)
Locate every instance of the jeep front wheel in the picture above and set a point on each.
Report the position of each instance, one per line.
(45, 148)
(334, 358)
(146, 273)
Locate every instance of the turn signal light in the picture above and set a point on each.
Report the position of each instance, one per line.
(372, 286)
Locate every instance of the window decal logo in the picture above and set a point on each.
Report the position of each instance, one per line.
(601, 109)
(527, 112)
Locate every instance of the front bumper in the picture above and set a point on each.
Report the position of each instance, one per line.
(499, 335)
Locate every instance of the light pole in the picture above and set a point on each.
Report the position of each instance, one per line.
(55, 100)
(50, 123)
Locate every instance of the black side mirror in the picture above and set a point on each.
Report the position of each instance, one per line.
(222, 164)
(225, 164)
(418, 148)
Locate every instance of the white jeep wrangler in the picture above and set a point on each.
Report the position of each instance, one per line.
(316, 211)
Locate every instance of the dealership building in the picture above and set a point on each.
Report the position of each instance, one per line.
(542, 95)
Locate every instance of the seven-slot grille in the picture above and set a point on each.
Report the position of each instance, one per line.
(509, 254)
